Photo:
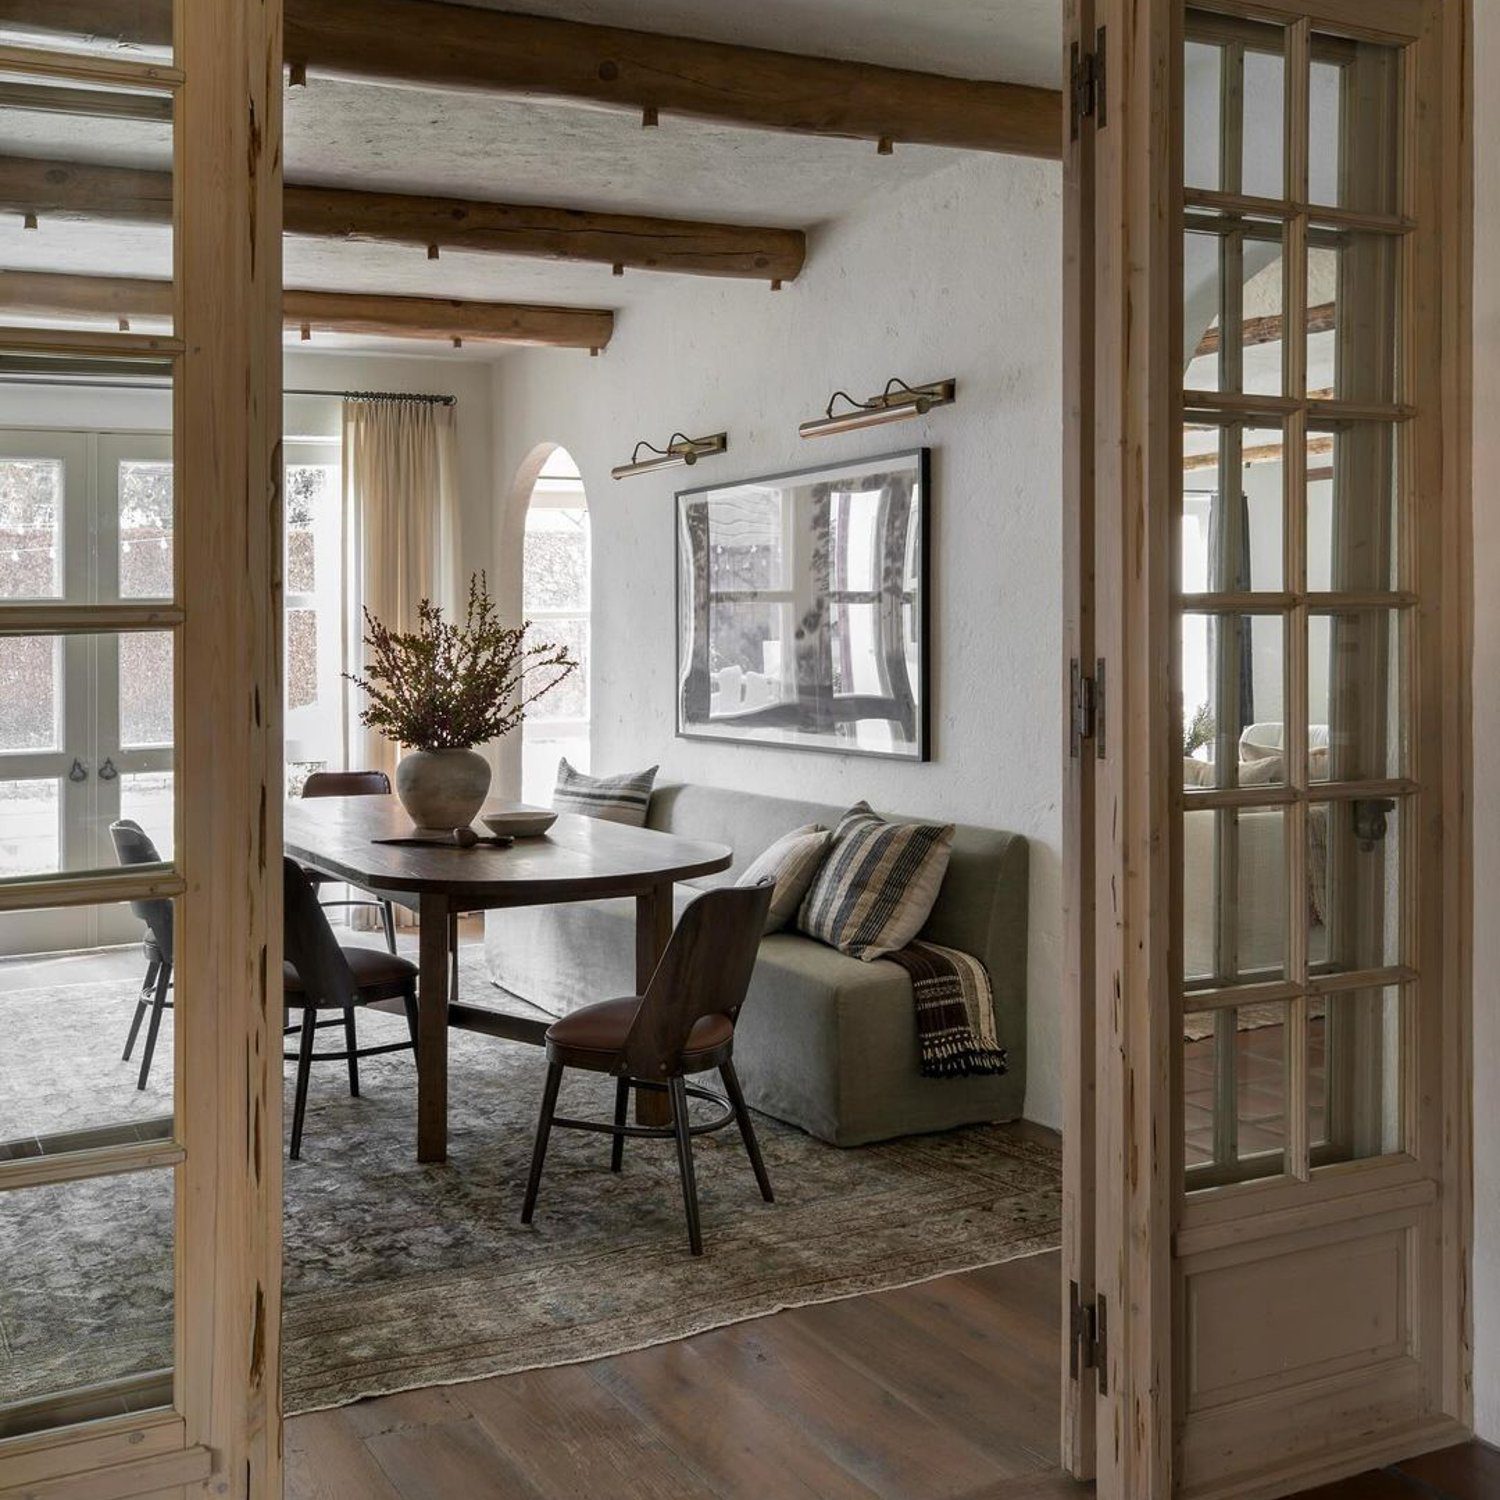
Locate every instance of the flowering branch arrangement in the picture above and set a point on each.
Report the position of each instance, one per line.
(450, 687)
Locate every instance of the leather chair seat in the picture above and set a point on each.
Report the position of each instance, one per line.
(373, 969)
(594, 1036)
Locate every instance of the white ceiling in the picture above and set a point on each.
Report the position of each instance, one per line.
(465, 145)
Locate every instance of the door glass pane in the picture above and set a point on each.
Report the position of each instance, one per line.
(1353, 333)
(570, 698)
(86, 1300)
(1351, 507)
(1234, 97)
(146, 688)
(1355, 727)
(31, 521)
(135, 29)
(1354, 884)
(1234, 1093)
(1354, 1047)
(1354, 146)
(86, 190)
(1233, 279)
(146, 798)
(1233, 692)
(30, 693)
(557, 558)
(301, 657)
(1234, 896)
(311, 489)
(146, 525)
(30, 826)
(78, 986)
(1232, 531)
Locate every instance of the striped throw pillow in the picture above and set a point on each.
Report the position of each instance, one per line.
(877, 884)
(791, 862)
(616, 799)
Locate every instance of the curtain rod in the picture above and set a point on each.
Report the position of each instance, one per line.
(96, 383)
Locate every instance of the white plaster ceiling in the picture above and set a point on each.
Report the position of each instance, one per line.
(464, 145)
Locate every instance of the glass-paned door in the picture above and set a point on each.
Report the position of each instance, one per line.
(1278, 579)
(139, 753)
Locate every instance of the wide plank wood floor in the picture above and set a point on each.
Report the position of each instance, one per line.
(944, 1391)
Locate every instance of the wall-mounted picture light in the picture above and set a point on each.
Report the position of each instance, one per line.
(680, 449)
(897, 401)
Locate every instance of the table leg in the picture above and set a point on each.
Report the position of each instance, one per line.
(653, 931)
(432, 1030)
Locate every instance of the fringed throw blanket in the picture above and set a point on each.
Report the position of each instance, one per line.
(955, 1011)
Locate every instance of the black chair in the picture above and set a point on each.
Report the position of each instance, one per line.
(352, 784)
(133, 846)
(683, 1024)
(321, 975)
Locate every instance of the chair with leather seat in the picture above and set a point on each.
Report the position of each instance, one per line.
(352, 784)
(133, 846)
(321, 975)
(682, 1025)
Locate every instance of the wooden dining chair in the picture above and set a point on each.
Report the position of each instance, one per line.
(321, 975)
(352, 784)
(133, 846)
(683, 1024)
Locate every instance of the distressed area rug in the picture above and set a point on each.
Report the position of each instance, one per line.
(399, 1275)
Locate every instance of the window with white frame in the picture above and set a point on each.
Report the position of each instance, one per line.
(556, 602)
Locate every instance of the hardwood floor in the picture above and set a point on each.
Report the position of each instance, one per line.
(944, 1391)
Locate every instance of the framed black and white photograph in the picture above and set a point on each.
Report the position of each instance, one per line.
(802, 609)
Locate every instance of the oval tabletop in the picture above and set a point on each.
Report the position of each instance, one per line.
(576, 859)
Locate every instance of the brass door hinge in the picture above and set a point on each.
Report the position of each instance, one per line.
(1087, 708)
(1088, 1347)
(1086, 86)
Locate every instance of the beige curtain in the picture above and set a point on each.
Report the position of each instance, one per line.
(401, 508)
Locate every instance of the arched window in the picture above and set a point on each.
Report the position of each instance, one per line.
(555, 598)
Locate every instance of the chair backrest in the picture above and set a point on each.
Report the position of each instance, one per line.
(704, 972)
(133, 846)
(309, 944)
(347, 784)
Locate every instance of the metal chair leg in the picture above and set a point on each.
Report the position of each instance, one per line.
(158, 1005)
(142, 1005)
(543, 1131)
(617, 1143)
(388, 918)
(678, 1089)
(351, 1045)
(304, 1073)
(747, 1130)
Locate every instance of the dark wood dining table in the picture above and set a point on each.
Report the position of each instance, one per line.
(579, 859)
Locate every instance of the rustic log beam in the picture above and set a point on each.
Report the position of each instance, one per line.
(692, 247)
(48, 294)
(455, 47)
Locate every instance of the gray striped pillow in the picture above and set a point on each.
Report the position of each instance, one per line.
(616, 799)
(877, 884)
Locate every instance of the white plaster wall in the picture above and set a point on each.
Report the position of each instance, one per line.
(955, 274)
(1486, 1269)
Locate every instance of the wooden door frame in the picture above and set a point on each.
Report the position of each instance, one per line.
(1135, 470)
(222, 1433)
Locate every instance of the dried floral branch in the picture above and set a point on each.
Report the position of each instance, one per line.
(450, 687)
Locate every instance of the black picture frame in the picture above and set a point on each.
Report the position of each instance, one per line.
(808, 710)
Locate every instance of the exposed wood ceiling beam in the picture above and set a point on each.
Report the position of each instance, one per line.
(436, 46)
(129, 195)
(48, 294)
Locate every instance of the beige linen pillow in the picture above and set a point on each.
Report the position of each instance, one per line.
(791, 862)
(615, 799)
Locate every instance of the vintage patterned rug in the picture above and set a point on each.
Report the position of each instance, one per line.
(399, 1275)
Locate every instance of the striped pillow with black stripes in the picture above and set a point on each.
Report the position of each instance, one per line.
(616, 799)
(877, 884)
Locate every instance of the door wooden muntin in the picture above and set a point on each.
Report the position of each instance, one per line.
(217, 1422)
(1410, 1201)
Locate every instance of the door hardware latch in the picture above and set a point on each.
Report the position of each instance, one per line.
(107, 771)
(1086, 700)
(79, 771)
(1370, 814)
(1086, 86)
(1088, 1347)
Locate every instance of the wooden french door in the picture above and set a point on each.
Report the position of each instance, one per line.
(1268, 262)
(148, 682)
